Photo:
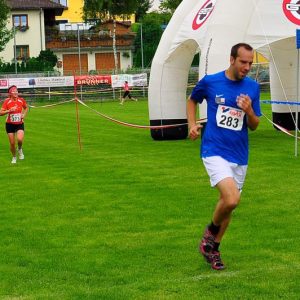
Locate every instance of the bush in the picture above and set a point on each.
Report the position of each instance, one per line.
(46, 61)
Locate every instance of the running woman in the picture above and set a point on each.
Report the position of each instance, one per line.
(16, 109)
(126, 93)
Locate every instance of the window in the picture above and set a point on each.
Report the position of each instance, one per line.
(22, 52)
(20, 21)
(62, 2)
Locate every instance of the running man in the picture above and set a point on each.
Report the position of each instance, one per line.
(16, 109)
(232, 107)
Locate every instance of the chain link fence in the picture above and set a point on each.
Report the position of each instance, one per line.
(104, 92)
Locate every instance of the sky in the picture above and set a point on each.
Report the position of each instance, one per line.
(155, 5)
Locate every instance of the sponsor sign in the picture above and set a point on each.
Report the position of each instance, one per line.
(3, 83)
(133, 80)
(61, 81)
(203, 14)
(291, 10)
(37, 82)
(53, 81)
(93, 79)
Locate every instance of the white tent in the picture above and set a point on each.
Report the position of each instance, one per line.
(213, 27)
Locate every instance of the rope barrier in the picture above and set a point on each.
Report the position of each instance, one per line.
(282, 129)
(136, 125)
(174, 125)
(115, 120)
(51, 105)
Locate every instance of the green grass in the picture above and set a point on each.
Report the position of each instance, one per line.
(121, 219)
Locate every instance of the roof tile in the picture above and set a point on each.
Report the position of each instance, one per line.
(33, 4)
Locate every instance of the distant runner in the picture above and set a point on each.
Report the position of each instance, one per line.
(126, 93)
(16, 109)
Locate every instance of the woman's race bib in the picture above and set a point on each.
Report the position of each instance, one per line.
(230, 118)
(15, 118)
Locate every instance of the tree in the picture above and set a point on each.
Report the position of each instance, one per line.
(5, 34)
(152, 32)
(47, 58)
(143, 7)
(104, 10)
(169, 5)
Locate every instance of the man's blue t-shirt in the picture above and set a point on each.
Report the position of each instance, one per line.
(226, 131)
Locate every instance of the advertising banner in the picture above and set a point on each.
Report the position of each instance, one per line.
(37, 82)
(93, 79)
(132, 79)
(63, 81)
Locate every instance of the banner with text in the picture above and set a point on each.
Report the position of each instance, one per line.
(92, 79)
(62, 81)
(132, 79)
(37, 82)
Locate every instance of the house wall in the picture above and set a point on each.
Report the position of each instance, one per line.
(74, 12)
(126, 60)
(92, 61)
(258, 58)
(34, 36)
(98, 49)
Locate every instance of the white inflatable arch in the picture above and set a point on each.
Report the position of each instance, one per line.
(211, 27)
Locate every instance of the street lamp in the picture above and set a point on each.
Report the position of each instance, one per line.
(142, 52)
(79, 52)
(142, 46)
(15, 50)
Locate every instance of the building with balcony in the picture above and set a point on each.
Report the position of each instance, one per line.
(80, 48)
(89, 50)
(28, 19)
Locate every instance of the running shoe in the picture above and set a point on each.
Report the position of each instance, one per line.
(207, 244)
(21, 154)
(14, 160)
(216, 261)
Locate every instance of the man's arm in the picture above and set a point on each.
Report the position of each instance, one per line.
(252, 120)
(194, 128)
(245, 103)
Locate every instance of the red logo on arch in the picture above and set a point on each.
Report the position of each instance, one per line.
(203, 14)
(291, 9)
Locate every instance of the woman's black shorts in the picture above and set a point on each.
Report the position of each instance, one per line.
(12, 128)
(127, 93)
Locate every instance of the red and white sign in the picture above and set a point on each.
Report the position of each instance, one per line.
(92, 79)
(203, 14)
(291, 10)
(3, 83)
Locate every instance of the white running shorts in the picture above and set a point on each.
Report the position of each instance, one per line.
(219, 168)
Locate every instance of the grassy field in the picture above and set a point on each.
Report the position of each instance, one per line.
(122, 217)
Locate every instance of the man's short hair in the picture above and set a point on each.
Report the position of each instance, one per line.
(235, 49)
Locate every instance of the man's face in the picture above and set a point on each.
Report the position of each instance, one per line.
(13, 92)
(241, 65)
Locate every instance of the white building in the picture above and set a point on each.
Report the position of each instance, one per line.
(29, 18)
(78, 51)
